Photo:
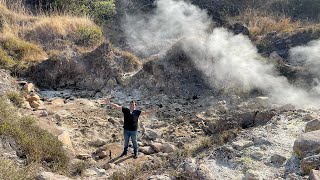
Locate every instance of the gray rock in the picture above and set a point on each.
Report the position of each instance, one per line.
(258, 155)
(307, 144)
(160, 177)
(242, 144)
(146, 150)
(97, 143)
(265, 102)
(190, 166)
(50, 176)
(204, 173)
(309, 163)
(261, 141)
(263, 117)
(44, 113)
(156, 146)
(152, 134)
(314, 175)
(252, 175)
(310, 116)
(313, 125)
(168, 148)
(277, 159)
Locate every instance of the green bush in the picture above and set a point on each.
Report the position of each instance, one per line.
(103, 10)
(100, 10)
(89, 36)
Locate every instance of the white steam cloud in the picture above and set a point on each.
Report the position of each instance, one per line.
(309, 56)
(231, 61)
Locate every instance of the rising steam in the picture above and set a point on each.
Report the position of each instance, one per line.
(231, 61)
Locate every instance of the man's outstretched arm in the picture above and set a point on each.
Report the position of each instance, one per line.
(113, 105)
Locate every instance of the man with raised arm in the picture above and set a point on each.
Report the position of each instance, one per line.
(130, 126)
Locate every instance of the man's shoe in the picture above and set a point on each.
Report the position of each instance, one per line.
(123, 154)
(135, 156)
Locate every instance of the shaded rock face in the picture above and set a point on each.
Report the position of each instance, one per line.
(281, 44)
(174, 73)
(92, 71)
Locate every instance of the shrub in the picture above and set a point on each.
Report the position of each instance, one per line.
(15, 98)
(103, 10)
(88, 36)
(6, 61)
(10, 171)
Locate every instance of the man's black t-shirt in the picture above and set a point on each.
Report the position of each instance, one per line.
(130, 119)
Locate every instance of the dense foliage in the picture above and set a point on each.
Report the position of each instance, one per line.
(100, 10)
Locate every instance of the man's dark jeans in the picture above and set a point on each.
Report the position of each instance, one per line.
(133, 134)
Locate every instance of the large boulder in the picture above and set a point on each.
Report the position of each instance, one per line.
(313, 125)
(307, 144)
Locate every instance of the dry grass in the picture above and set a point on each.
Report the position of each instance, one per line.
(262, 23)
(26, 39)
(38, 145)
(10, 171)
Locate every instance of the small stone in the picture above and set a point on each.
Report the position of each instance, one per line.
(258, 155)
(101, 155)
(277, 159)
(83, 156)
(156, 146)
(242, 144)
(34, 104)
(50, 176)
(109, 166)
(146, 150)
(159, 177)
(33, 97)
(309, 163)
(97, 143)
(252, 175)
(44, 114)
(314, 175)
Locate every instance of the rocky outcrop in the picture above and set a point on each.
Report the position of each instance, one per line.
(92, 71)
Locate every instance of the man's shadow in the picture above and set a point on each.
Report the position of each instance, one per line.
(119, 160)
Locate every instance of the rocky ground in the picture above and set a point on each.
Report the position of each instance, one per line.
(265, 146)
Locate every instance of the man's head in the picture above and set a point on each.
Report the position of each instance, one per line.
(132, 105)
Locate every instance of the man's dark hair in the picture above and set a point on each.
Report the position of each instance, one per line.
(133, 102)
